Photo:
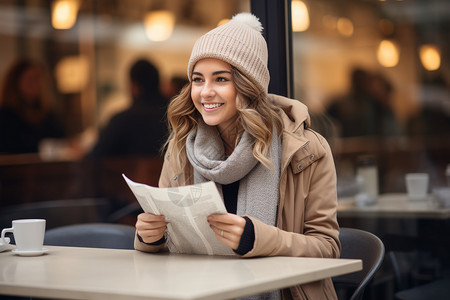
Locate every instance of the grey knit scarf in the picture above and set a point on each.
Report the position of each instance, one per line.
(258, 194)
(258, 188)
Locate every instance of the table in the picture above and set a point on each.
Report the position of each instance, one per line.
(403, 225)
(393, 205)
(406, 227)
(90, 273)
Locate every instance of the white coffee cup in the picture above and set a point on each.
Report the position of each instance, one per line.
(28, 234)
(417, 185)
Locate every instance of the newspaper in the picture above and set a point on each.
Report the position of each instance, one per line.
(186, 209)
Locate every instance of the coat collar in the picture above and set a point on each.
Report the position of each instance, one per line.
(295, 116)
(297, 147)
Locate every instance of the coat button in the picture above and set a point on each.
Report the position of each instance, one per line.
(299, 166)
(168, 155)
(176, 177)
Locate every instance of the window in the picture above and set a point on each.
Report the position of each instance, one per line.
(378, 71)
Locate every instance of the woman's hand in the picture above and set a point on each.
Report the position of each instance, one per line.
(228, 228)
(150, 227)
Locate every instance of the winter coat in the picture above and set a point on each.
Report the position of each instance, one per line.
(307, 222)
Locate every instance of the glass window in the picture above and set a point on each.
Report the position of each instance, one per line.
(87, 48)
(379, 72)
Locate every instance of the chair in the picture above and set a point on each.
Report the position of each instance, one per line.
(358, 244)
(92, 235)
(59, 212)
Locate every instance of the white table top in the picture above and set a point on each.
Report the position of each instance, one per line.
(393, 205)
(89, 273)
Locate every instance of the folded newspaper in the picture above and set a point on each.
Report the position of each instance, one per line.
(186, 209)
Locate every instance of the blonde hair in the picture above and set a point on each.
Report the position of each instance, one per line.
(257, 116)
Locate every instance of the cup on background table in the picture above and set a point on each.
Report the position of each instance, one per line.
(417, 186)
(29, 236)
(441, 196)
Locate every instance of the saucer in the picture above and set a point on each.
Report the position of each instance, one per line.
(30, 253)
(4, 247)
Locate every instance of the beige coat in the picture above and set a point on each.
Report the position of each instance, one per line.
(307, 223)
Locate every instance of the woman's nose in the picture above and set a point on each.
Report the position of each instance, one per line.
(208, 90)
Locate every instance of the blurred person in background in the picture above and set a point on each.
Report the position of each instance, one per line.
(141, 128)
(174, 86)
(26, 115)
(367, 109)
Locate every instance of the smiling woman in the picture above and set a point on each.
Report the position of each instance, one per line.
(259, 150)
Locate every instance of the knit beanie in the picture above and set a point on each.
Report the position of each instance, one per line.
(238, 42)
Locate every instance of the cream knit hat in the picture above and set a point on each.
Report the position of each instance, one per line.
(238, 42)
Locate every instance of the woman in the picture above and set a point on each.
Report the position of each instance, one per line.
(277, 176)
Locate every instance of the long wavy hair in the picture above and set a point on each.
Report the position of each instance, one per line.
(256, 115)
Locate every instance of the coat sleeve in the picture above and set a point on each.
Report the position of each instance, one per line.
(138, 245)
(314, 231)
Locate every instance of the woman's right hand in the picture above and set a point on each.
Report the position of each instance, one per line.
(150, 227)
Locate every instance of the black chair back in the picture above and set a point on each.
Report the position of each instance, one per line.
(92, 235)
(59, 212)
(358, 244)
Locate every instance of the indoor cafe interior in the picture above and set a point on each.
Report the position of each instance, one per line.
(374, 74)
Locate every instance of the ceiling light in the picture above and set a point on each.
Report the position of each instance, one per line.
(300, 16)
(159, 25)
(388, 53)
(430, 56)
(64, 13)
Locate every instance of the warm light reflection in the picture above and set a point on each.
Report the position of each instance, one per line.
(159, 25)
(223, 21)
(430, 56)
(300, 16)
(64, 13)
(388, 53)
(72, 74)
(345, 27)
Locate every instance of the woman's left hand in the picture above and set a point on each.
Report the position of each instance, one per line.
(228, 228)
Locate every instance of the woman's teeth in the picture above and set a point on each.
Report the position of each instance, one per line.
(211, 106)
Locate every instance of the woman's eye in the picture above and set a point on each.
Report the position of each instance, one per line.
(222, 79)
(196, 79)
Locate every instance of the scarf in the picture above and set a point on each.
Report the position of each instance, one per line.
(258, 194)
